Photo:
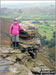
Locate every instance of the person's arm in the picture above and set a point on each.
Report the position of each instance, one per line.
(21, 28)
(10, 29)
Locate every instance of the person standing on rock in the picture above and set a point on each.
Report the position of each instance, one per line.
(14, 33)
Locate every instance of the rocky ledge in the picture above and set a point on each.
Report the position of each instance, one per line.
(19, 62)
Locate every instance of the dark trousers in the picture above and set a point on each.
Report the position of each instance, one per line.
(15, 44)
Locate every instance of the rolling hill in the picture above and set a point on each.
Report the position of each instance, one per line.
(27, 12)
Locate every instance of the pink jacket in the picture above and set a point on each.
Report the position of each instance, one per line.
(15, 30)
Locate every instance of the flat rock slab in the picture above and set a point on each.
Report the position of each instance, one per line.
(20, 56)
(4, 62)
(36, 70)
(20, 69)
(6, 73)
(42, 65)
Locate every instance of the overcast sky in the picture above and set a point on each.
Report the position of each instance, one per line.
(9, 3)
(20, 2)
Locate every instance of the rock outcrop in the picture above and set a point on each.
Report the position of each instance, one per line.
(28, 40)
(20, 63)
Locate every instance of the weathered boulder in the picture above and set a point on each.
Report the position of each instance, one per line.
(20, 56)
(36, 70)
(28, 40)
(19, 69)
(30, 29)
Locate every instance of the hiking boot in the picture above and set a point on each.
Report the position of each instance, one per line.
(13, 44)
(17, 45)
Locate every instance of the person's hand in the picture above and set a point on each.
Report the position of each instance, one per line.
(24, 29)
